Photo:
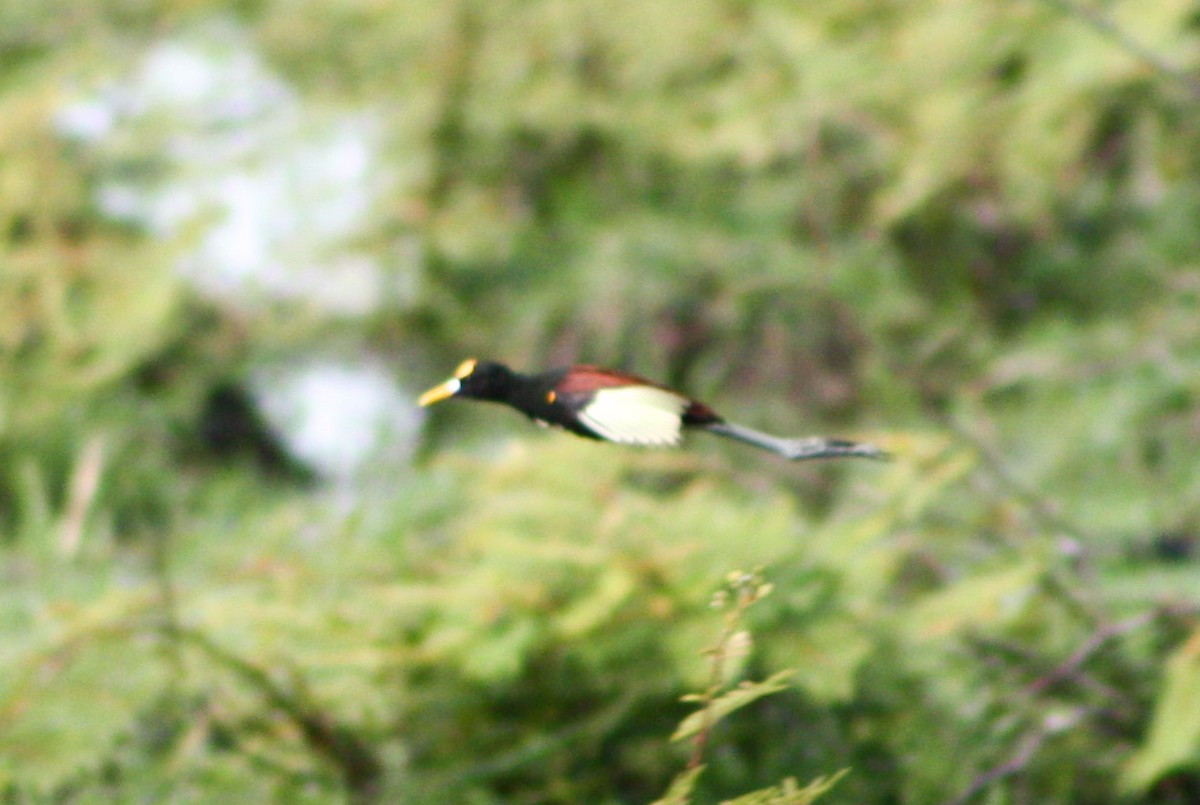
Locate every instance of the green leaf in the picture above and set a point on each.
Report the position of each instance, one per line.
(681, 788)
(730, 701)
(979, 600)
(612, 588)
(788, 793)
(1174, 738)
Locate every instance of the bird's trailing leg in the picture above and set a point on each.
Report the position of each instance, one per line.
(797, 449)
(817, 447)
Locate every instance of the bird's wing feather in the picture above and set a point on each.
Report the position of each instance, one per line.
(586, 378)
(644, 415)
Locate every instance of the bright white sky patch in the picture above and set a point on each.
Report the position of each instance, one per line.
(338, 417)
(202, 133)
(199, 136)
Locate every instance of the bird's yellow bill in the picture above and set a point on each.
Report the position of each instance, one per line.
(439, 393)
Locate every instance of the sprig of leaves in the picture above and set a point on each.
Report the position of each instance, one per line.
(722, 698)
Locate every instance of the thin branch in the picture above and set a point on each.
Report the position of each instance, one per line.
(361, 769)
(716, 681)
(168, 611)
(1070, 668)
(81, 496)
(537, 749)
(1043, 512)
(1039, 508)
(1026, 662)
(745, 589)
(1025, 752)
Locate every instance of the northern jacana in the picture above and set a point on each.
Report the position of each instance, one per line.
(617, 407)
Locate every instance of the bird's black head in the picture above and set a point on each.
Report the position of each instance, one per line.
(480, 380)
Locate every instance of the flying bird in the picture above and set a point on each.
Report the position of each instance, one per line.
(617, 407)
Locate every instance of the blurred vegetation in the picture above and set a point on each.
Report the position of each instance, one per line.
(968, 230)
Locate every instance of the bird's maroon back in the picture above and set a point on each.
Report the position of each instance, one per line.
(582, 379)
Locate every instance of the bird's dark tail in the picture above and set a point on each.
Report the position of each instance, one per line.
(797, 449)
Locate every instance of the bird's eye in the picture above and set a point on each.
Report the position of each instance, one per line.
(465, 368)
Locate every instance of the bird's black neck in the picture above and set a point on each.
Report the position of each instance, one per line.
(497, 383)
(528, 392)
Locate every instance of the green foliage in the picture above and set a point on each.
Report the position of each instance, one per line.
(786, 793)
(789, 792)
(728, 702)
(966, 229)
(82, 301)
(681, 787)
(65, 658)
(1173, 741)
(721, 699)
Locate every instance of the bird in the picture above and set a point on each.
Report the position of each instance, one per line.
(611, 406)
